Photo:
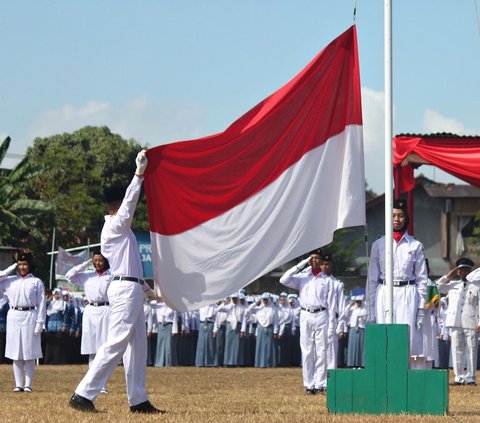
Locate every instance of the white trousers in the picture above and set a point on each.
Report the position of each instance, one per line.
(126, 337)
(464, 351)
(313, 343)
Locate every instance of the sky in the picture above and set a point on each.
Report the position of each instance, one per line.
(162, 71)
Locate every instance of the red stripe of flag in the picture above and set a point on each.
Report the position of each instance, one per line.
(188, 183)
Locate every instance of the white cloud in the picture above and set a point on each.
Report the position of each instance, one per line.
(138, 118)
(374, 135)
(434, 122)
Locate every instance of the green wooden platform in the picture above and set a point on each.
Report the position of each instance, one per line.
(386, 385)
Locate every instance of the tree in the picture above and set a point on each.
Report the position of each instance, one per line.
(19, 213)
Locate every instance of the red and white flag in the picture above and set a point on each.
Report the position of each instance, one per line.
(228, 208)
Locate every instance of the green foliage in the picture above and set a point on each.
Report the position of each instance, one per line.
(19, 213)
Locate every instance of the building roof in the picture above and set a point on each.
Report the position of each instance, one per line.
(435, 190)
(438, 135)
(452, 191)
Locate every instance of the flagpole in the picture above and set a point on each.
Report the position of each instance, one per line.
(52, 258)
(388, 162)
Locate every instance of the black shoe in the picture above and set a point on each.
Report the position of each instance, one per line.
(457, 383)
(471, 383)
(310, 391)
(321, 390)
(146, 408)
(81, 403)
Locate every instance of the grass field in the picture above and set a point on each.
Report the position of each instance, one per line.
(194, 395)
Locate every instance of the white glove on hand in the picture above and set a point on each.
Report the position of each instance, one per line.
(8, 270)
(303, 263)
(38, 329)
(420, 317)
(330, 335)
(87, 263)
(141, 162)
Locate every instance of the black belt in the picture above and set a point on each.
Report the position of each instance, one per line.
(24, 308)
(313, 310)
(99, 304)
(400, 283)
(129, 278)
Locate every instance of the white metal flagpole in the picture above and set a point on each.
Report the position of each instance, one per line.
(388, 163)
(52, 260)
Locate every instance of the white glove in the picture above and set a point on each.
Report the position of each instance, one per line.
(330, 334)
(420, 317)
(85, 264)
(38, 328)
(141, 162)
(303, 263)
(8, 270)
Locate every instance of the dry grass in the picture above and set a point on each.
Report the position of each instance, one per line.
(200, 395)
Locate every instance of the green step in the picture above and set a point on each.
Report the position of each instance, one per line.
(386, 385)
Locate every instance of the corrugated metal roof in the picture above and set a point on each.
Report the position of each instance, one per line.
(452, 191)
(436, 190)
(438, 135)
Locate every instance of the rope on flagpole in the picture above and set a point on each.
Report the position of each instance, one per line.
(355, 10)
(476, 15)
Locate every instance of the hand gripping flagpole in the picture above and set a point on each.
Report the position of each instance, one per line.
(388, 163)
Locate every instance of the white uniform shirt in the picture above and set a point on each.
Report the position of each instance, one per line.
(285, 317)
(118, 241)
(236, 313)
(463, 303)
(314, 291)
(357, 316)
(94, 284)
(207, 313)
(27, 291)
(266, 315)
(408, 264)
(165, 314)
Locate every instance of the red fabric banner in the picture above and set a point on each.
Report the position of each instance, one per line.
(195, 181)
(457, 155)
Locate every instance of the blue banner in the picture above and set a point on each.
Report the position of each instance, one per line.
(145, 250)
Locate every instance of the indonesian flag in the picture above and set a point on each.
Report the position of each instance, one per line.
(228, 208)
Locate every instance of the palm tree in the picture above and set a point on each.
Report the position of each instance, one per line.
(18, 213)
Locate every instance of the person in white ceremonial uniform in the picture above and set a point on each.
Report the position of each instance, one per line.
(126, 331)
(316, 319)
(96, 314)
(338, 309)
(463, 318)
(25, 319)
(409, 283)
